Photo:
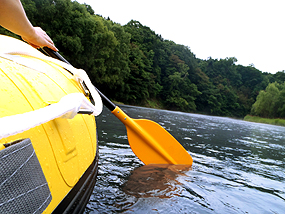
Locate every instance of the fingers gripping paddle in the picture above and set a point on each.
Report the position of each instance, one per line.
(151, 143)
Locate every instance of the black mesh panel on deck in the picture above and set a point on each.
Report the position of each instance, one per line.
(23, 187)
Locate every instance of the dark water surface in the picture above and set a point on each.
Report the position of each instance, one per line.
(239, 167)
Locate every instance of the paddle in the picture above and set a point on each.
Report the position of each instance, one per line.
(150, 142)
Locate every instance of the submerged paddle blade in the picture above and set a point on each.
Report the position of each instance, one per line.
(151, 143)
(160, 148)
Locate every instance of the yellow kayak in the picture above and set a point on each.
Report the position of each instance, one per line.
(49, 151)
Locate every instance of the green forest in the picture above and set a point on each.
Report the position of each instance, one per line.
(134, 65)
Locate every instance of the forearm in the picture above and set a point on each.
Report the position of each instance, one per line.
(13, 18)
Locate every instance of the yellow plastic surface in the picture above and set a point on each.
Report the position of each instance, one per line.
(151, 143)
(65, 148)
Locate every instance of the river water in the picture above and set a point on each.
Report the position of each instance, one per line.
(239, 167)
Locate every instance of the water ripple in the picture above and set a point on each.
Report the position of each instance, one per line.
(239, 167)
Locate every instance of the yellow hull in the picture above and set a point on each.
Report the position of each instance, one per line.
(65, 148)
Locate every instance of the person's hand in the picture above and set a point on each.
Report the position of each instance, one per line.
(39, 39)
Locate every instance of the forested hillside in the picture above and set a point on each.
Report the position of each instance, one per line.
(134, 65)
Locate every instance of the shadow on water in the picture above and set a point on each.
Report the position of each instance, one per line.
(239, 167)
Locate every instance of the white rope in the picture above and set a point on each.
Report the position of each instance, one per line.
(67, 107)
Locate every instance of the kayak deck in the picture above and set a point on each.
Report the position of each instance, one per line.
(66, 149)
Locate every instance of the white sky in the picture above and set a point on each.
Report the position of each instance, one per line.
(250, 30)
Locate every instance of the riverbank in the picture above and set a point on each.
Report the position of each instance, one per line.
(275, 121)
(148, 104)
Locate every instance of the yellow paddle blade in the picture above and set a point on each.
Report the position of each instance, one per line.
(151, 143)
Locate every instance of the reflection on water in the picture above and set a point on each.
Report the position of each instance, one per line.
(239, 167)
(155, 180)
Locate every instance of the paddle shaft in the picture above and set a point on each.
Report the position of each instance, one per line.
(122, 116)
(151, 143)
(108, 103)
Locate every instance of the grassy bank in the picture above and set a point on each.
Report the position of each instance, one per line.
(153, 104)
(276, 121)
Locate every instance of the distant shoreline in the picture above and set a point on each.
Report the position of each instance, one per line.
(273, 121)
(249, 118)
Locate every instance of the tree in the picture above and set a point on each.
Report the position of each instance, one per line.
(141, 82)
(280, 77)
(140, 65)
(266, 104)
(180, 92)
(281, 102)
